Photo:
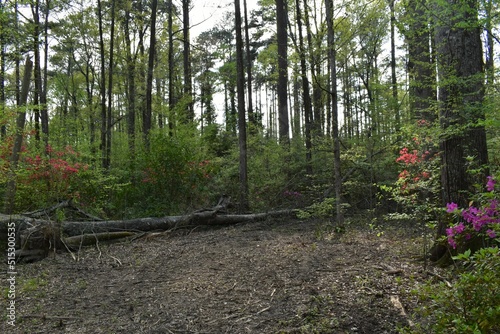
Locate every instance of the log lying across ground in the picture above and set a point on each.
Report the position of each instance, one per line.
(36, 236)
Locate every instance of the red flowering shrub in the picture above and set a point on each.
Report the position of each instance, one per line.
(44, 180)
(417, 185)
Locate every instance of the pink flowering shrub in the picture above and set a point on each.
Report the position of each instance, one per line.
(482, 219)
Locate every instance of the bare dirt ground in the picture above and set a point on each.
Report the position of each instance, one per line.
(277, 276)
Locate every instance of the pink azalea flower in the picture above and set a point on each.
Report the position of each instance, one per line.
(491, 234)
(490, 185)
(450, 207)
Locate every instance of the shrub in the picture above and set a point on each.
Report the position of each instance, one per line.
(471, 304)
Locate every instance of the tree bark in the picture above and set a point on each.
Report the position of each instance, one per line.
(282, 40)
(332, 55)
(147, 116)
(171, 94)
(461, 94)
(252, 119)
(421, 70)
(131, 64)
(242, 132)
(109, 117)
(305, 91)
(3, 43)
(10, 192)
(394, 81)
(188, 85)
(105, 161)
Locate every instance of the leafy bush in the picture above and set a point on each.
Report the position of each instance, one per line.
(417, 188)
(471, 304)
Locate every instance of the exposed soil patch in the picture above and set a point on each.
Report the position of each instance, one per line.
(268, 277)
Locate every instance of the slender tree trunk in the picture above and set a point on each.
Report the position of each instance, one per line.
(305, 90)
(171, 94)
(35, 11)
(44, 115)
(149, 80)
(188, 85)
(10, 192)
(104, 127)
(282, 38)
(109, 112)
(251, 115)
(3, 129)
(242, 132)
(332, 55)
(490, 55)
(130, 87)
(394, 81)
(317, 123)
(296, 130)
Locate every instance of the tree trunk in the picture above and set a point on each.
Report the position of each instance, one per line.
(109, 117)
(332, 55)
(305, 91)
(394, 81)
(44, 114)
(242, 132)
(131, 61)
(251, 115)
(282, 40)
(317, 102)
(188, 85)
(10, 192)
(171, 94)
(37, 75)
(149, 79)
(490, 55)
(3, 129)
(421, 70)
(105, 161)
(461, 94)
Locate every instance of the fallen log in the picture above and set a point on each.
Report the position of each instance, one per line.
(35, 237)
(165, 223)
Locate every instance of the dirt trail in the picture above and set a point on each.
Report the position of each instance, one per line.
(268, 277)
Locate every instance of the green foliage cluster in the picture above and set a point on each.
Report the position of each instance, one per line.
(471, 304)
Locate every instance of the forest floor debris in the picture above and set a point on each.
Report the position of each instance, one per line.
(276, 276)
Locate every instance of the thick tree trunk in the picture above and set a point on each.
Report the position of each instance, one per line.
(461, 94)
